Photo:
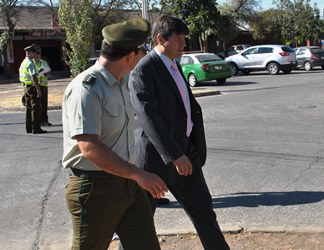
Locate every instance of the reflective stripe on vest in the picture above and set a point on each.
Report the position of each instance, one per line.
(24, 75)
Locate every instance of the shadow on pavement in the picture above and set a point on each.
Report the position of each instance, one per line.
(257, 199)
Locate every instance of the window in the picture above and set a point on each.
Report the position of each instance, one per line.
(301, 52)
(186, 60)
(207, 58)
(250, 51)
(265, 50)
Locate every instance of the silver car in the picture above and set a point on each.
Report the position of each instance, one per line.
(272, 58)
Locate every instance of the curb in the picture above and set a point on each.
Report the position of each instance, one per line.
(249, 229)
(59, 106)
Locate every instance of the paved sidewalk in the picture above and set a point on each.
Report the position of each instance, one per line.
(11, 92)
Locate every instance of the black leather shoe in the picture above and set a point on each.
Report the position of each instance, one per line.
(39, 131)
(46, 124)
(29, 131)
(163, 201)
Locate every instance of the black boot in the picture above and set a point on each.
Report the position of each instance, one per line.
(39, 131)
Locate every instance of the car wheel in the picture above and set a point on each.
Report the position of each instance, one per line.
(273, 68)
(322, 66)
(286, 71)
(308, 66)
(234, 69)
(221, 81)
(192, 80)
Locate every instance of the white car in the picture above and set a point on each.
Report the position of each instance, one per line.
(233, 50)
(272, 58)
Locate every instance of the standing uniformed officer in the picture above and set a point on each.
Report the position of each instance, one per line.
(104, 192)
(43, 70)
(31, 99)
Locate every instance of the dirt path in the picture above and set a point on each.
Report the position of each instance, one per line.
(246, 241)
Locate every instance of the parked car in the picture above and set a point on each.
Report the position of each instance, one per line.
(198, 67)
(309, 57)
(233, 50)
(272, 58)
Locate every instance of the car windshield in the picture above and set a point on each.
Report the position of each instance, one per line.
(208, 58)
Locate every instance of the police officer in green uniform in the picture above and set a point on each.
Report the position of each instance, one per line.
(32, 93)
(105, 191)
(43, 70)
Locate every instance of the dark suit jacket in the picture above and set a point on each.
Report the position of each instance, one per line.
(160, 133)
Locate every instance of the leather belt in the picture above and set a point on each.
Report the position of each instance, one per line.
(91, 175)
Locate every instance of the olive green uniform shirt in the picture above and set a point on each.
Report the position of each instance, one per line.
(95, 103)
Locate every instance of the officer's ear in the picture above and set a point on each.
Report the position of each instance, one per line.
(130, 57)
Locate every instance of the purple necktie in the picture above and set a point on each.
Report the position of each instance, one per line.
(184, 94)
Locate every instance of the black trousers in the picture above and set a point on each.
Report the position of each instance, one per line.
(33, 108)
(193, 195)
(44, 103)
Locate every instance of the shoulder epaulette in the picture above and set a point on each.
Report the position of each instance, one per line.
(90, 79)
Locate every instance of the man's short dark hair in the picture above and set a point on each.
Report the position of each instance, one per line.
(112, 53)
(166, 25)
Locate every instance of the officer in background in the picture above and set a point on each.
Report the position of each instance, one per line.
(43, 70)
(32, 92)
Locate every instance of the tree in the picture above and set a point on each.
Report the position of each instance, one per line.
(266, 26)
(235, 14)
(201, 16)
(241, 10)
(300, 22)
(226, 30)
(75, 18)
(8, 14)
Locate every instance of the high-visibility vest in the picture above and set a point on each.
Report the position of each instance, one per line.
(24, 75)
(42, 79)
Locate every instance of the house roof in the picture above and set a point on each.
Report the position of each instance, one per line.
(33, 18)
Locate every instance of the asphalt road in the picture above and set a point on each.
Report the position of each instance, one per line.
(265, 166)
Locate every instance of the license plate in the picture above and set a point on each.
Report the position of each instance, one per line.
(218, 67)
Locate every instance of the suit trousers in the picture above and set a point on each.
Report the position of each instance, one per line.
(193, 195)
(104, 206)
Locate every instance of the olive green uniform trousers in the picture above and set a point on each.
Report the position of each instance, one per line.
(101, 207)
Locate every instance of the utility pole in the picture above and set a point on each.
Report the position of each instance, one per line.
(145, 10)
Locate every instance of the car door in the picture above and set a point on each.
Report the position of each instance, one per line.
(301, 56)
(262, 56)
(247, 58)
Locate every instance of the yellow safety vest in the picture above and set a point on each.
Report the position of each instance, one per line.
(41, 78)
(24, 75)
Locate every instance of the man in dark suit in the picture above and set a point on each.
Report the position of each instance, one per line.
(169, 134)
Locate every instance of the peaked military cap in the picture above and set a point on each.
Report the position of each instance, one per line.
(38, 49)
(32, 47)
(130, 34)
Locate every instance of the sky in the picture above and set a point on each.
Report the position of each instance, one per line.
(267, 4)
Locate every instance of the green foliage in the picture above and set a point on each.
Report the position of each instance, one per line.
(241, 10)
(4, 40)
(75, 18)
(266, 26)
(299, 21)
(201, 16)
